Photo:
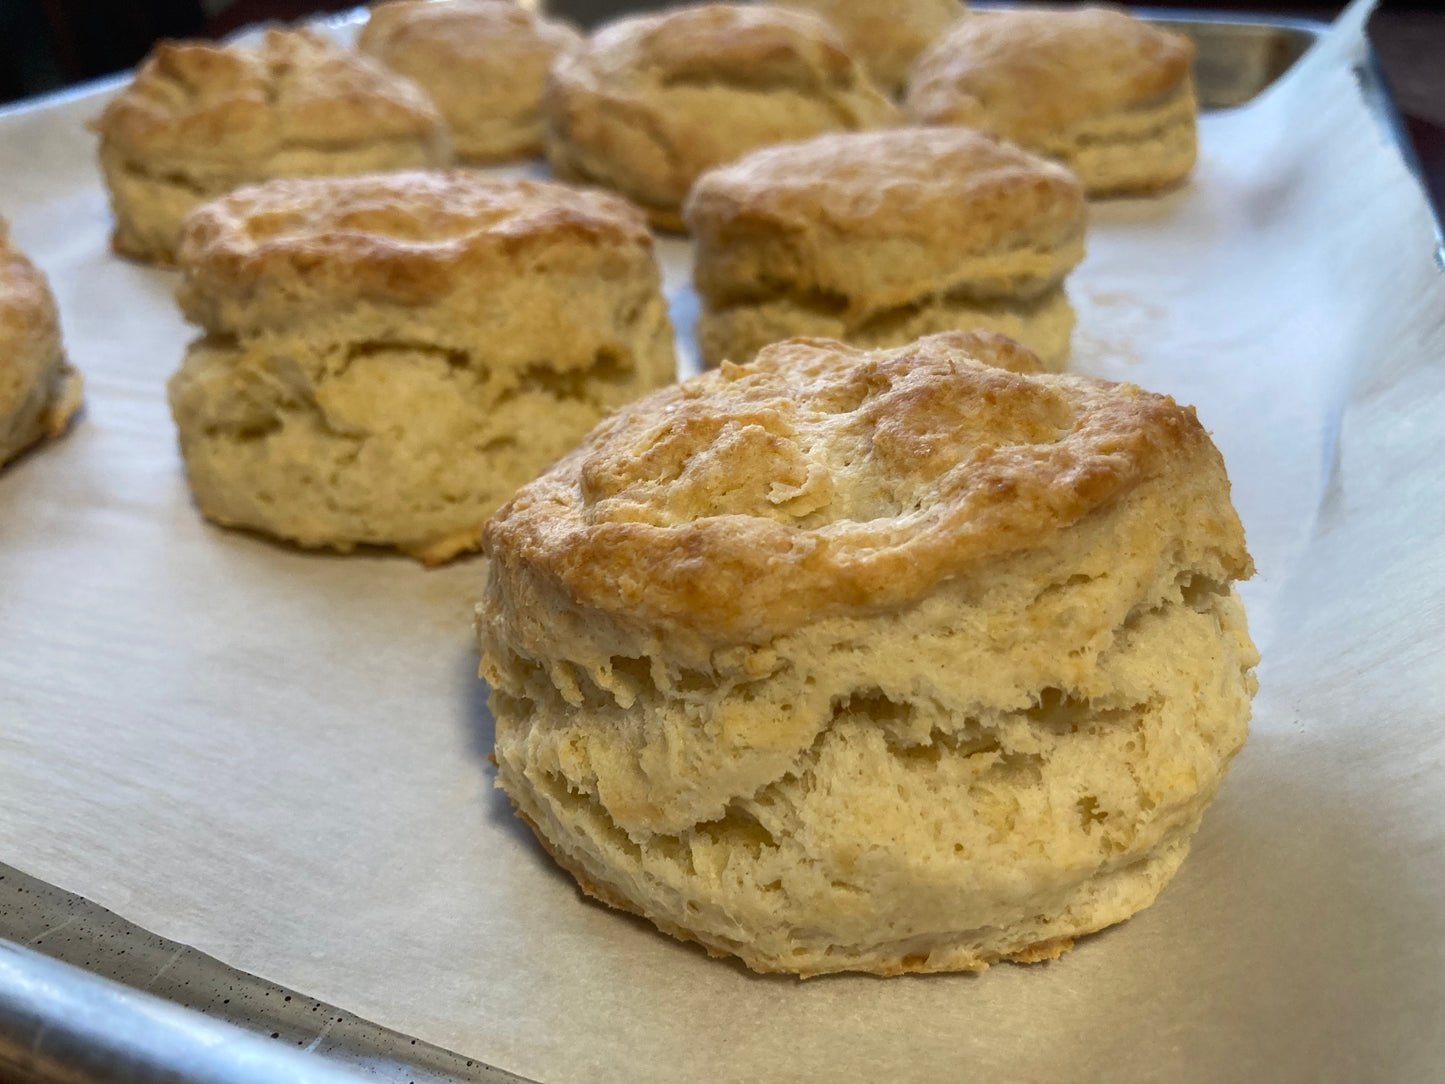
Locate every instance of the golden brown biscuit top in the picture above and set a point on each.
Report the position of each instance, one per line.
(407, 34)
(405, 237)
(1023, 73)
(822, 479)
(887, 36)
(27, 321)
(204, 101)
(958, 191)
(752, 47)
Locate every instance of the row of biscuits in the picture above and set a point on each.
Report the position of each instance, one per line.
(908, 657)
(643, 106)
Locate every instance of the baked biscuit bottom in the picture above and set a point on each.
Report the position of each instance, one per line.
(385, 443)
(1017, 760)
(1044, 324)
(44, 412)
(869, 274)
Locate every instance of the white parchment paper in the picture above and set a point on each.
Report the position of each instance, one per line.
(279, 758)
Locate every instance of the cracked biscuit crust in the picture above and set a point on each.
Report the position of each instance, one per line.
(199, 120)
(271, 256)
(821, 479)
(1109, 94)
(986, 672)
(653, 101)
(484, 63)
(39, 391)
(388, 357)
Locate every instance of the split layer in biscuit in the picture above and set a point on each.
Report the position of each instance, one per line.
(387, 358)
(879, 238)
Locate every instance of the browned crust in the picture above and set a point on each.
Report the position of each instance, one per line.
(725, 42)
(1024, 74)
(439, 551)
(27, 308)
(30, 345)
(490, 34)
(400, 237)
(613, 101)
(206, 102)
(123, 244)
(889, 37)
(1000, 463)
(798, 213)
(481, 60)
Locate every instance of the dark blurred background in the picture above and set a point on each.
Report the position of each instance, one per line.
(49, 44)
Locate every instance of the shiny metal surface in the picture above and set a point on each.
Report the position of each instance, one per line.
(167, 1012)
(59, 1023)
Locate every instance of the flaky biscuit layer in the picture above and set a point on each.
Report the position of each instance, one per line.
(878, 238)
(199, 120)
(655, 100)
(388, 357)
(484, 63)
(1107, 93)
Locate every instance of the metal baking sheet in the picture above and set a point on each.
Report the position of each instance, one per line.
(1331, 1017)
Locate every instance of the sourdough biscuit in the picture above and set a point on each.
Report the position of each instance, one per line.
(39, 391)
(200, 120)
(653, 101)
(878, 238)
(884, 661)
(887, 38)
(1106, 93)
(484, 63)
(386, 358)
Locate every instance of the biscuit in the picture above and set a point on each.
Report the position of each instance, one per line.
(887, 38)
(1104, 92)
(878, 238)
(484, 63)
(885, 661)
(655, 100)
(386, 358)
(39, 391)
(200, 120)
